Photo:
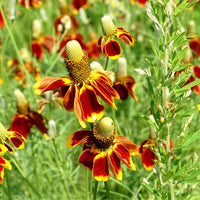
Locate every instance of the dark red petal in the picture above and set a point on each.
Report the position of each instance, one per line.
(87, 157)
(196, 70)
(124, 155)
(10, 149)
(38, 121)
(78, 137)
(21, 124)
(121, 90)
(100, 167)
(147, 159)
(92, 109)
(77, 4)
(48, 42)
(113, 49)
(2, 22)
(115, 164)
(37, 49)
(130, 85)
(127, 38)
(68, 100)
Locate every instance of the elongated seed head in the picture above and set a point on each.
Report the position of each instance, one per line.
(105, 127)
(121, 67)
(107, 25)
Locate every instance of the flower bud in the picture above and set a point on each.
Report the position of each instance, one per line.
(105, 127)
(74, 51)
(96, 66)
(37, 29)
(121, 67)
(22, 104)
(52, 133)
(107, 25)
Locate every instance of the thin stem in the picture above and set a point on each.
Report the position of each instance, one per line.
(106, 64)
(95, 190)
(107, 190)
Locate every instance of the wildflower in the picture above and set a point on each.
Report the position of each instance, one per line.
(81, 88)
(31, 3)
(102, 148)
(16, 138)
(109, 46)
(3, 164)
(2, 22)
(124, 84)
(18, 69)
(25, 118)
(77, 4)
(40, 41)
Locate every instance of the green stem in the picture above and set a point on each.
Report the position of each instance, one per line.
(106, 63)
(107, 190)
(171, 186)
(95, 190)
(8, 186)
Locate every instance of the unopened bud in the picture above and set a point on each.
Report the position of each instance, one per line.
(121, 67)
(12, 9)
(52, 133)
(37, 28)
(107, 25)
(22, 104)
(96, 66)
(105, 127)
(74, 51)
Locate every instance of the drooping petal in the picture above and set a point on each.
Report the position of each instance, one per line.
(125, 36)
(78, 137)
(142, 2)
(77, 4)
(196, 70)
(51, 83)
(1, 175)
(68, 100)
(124, 155)
(10, 149)
(102, 45)
(130, 85)
(48, 42)
(131, 147)
(122, 90)
(21, 124)
(37, 49)
(100, 167)
(103, 87)
(2, 22)
(195, 88)
(195, 45)
(5, 164)
(92, 109)
(113, 49)
(87, 157)
(17, 139)
(36, 3)
(115, 164)
(37, 120)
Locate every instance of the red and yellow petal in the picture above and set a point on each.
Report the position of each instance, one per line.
(78, 137)
(113, 49)
(17, 139)
(77, 4)
(131, 147)
(100, 167)
(130, 85)
(37, 49)
(37, 120)
(1, 174)
(51, 83)
(91, 108)
(124, 155)
(102, 45)
(115, 165)
(196, 70)
(87, 157)
(125, 36)
(5, 164)
(21, 124)
(68, 100)
(195, 88)
(2, 22)
(121, 90)
(147, 159)
(48, 42)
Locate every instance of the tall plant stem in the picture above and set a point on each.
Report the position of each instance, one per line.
(107, 190)
(106, 63)
(95, 190)
(8, 186)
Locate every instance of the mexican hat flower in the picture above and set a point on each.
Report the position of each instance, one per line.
(107, 44)
(77, 4)
(102, 148)
(124, 84)
(82, 87)
(25, 118)
(14, 137)
(4, 164)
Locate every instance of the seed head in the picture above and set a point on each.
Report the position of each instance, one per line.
(105, 127)
(107, 25)
(121, 67)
